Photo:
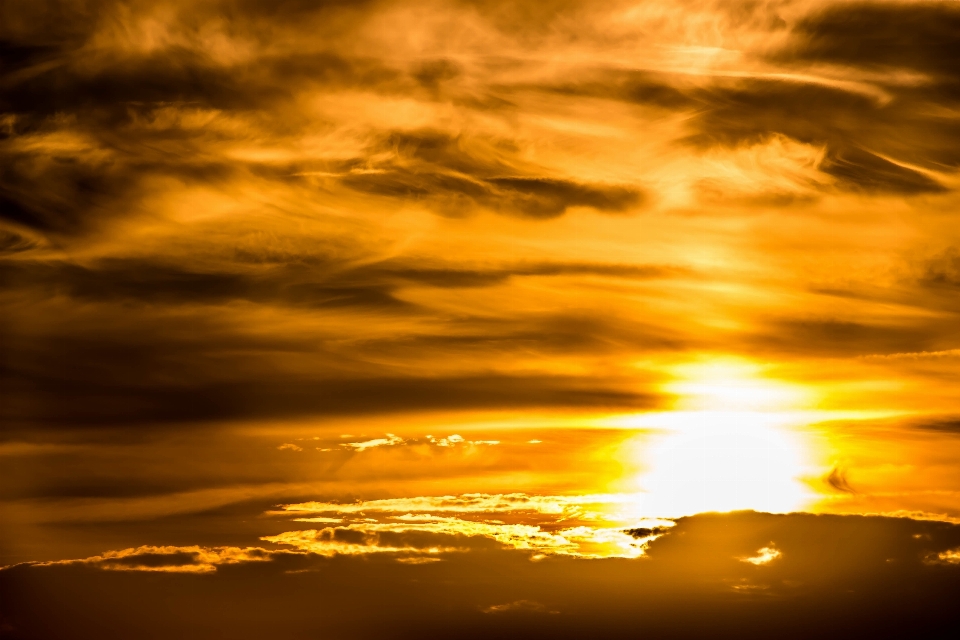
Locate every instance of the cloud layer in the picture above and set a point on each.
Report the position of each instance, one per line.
(334, 315)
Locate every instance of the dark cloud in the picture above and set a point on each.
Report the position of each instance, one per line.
(454, 278)
(644, 532)
(942, 271)
(152, 560)
(16, 56)
(300, 280)
(922, 36)
(457, 175)
(184, 368)
(148, 348)
(58, 194)
(546, 198)
(860, 169)
(68, 401)
(433, 73)
(874, 37)
(12, 242)
(640, 87)
(948, 425)
(837, 478)
(836, 337)
(873, 143)
(157, 283)
(837, 576)
(581, 333)
(869, 141)
(855, 129)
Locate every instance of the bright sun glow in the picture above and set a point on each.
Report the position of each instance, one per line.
(723, 461)
(730, 446)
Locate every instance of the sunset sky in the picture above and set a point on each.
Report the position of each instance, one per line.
(349, 319)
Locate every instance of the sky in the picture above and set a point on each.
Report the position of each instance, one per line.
(419, 319)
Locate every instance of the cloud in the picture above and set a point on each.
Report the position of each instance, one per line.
(539, 530)
(858, 134)
(169, 370)
(401, 537)
(850, 337)
(456, 175)
(942, 271)
(418, 560)
(945, 424)
(951, 556)
(356, 539)
(837, 478)
(389, 441)
(887, 35)
(518, 606)
(681, 587)
(469, 503)
(289, 447)
(765, 555)
(168, 559)
(393, 440)
(457, 439)
(647, 532)
(916, 355)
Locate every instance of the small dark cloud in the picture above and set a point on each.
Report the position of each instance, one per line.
(456, 278)
(75, 191)
(837, 478)
(646, 532)
(456, 175)
(548, 198)
(15, 56)
(639, 87)
(948, 425)
(12, 242)
(57, 194)
(433, 73)
(859, 169)
(836, 337)
(152, 560)
(518, 607)
(942, 271)
(558, 333)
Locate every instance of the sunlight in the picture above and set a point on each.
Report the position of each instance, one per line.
(721, 461)
(731, 445)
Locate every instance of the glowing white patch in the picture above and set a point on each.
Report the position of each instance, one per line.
(765, 555)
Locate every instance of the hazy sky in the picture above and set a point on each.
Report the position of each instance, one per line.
(333, 296)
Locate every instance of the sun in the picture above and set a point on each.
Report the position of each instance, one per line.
(724, 461)
(730, 445)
